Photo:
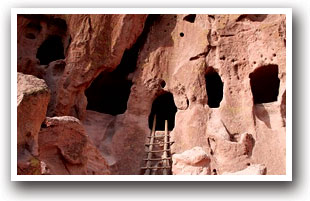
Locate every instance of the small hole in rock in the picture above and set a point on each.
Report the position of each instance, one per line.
(163, 84)
(274, 54)
(248, 164)
(181, 34)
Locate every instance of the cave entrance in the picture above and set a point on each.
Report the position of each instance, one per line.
(50, 50)
(265, 84)
(110, 91)
(165, 109)
(214, 87)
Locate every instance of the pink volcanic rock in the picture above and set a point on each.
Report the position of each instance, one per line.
(65, 148)
(251, 170)
(191, 162)
(178, 54)
(98, 43)
(32, 99)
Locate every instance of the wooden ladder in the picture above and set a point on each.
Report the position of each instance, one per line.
(158, 145)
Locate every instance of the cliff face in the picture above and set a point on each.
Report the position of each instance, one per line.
(218, 79)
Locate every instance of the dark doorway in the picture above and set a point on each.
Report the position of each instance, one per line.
(109, 92)
(165, 109)
(214, 86)
(51, 49)
(265, 84)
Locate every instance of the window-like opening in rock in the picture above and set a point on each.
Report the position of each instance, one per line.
(165, 109)
(265, 84)
(181, 34)
(214, 86)
(190, 18)
(51, 49)
(109, 92)
(162, 83)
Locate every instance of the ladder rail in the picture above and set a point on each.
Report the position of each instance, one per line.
(149, 155)
(165, 154)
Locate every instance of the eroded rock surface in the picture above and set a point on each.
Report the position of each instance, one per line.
(65, 148)
(32, 99)
(215, 66)
(251, 170)
(191, 162)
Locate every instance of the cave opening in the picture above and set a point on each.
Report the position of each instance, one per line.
(165, 109)
(214, 87)
(265, 84)
(109, 92)
(50, 50)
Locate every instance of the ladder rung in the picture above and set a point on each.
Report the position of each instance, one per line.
(160, 143)
(158, 151)
(157, 159)
(167, 167)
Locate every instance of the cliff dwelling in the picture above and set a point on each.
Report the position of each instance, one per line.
(165, 109)
(265, 84)
(214, 86)
(89, 87)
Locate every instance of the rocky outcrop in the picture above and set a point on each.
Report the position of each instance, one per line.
(251, 170)
(32, 99)
(65, 149)
(226, 75)
(191, 162)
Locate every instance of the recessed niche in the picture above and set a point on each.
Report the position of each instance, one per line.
(50, 50)
(265, 84)
(32, 30)
(214, 87)
(165, 109)
(110, 91)
(162, 83)
(190, 18)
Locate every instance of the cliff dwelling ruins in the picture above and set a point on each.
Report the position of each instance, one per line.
(164, 94)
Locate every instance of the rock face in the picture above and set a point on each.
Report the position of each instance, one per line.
(65, 149)
(251, 170)
(226, 75)
(32, 99)
(191, 162)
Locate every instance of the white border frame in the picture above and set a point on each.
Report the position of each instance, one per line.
(286, 11)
